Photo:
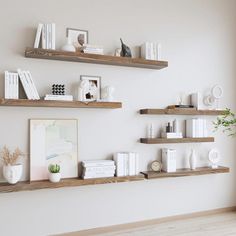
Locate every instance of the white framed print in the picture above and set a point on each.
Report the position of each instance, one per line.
(77, 37)
(53, 141)
(92, 87)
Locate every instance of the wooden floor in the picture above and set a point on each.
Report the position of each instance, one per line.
(220, 224)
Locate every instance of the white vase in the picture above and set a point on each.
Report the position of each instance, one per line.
(68, 47)
(193, 160)
(12, 173)
(54, 177)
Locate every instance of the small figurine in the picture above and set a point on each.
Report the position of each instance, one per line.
(83, 89)
(125, 50)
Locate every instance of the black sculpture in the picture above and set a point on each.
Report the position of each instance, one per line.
(125, 50)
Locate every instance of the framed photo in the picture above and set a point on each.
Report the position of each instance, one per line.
(78, 37)
(92, 88)
(53, 141)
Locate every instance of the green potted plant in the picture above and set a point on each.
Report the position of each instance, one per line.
(12, 170)
(226, 122)
(54, 173)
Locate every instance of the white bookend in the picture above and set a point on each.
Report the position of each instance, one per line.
(32, 86)
(53, 36)
(38, 35)
(132, 163)
(24, 83)
(44, 36)
(6, 84)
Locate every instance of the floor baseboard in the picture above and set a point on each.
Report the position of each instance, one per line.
(95, 231)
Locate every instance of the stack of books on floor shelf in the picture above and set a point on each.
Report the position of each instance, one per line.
(46, 34)
(12, 85)
(92, 49)
(98, 169)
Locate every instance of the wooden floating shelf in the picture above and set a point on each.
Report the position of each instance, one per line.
(185, 172)
(36, 185)
(62, 104)
(181, 112)
(93, 58)
(176, 140)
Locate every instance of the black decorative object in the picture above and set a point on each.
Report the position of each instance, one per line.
(125, 50)
(58, 89)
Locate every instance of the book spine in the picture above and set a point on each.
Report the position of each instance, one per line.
(28, 85)
(136, 164)
(24, 84)
(38, 35)
(119, 160)
(98, 169)
(33, 87)
(131, 163)
(44, 36)
(11, 86)
(53, 36)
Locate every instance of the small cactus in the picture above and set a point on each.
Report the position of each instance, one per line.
(54, 168)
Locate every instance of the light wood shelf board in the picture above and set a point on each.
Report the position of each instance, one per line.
(185, 172)
(62, 104)
(176, 140)
(149, 111)
(36, 185)
(93, 58)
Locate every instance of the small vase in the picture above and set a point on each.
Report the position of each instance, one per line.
(12, 173)
(68, 47)
(193, 160)
(54, 177)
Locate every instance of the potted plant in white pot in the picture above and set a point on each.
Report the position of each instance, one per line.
(12, 170)
(54, 173)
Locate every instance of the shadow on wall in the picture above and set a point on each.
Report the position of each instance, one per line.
(2, 85)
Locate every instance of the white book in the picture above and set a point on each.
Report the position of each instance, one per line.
(38, 35)
(6, 84)
(92, 173)
(119, 159)
(97, 176)
(97, 163)
(53, 36)
(16, 86)
(191, 128)
(99, 168)
(32, 85)
(171, 135)
(11, 85)
(44, 37)
(24, 84)
(137, 164)
(61, 98)
(29, 87)
(132, 160)
(205, 130)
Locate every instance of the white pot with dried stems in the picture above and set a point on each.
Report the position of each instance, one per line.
(12, 171)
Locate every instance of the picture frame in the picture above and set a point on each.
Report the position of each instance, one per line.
(77, 37)
(93, 89)
(53, 141)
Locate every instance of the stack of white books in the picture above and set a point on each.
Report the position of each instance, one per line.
(58, 97)
(151, 51)
(196, 128)
(92, 49)
(98, 169)
(168, 160)
(127, 163)
(28, 84)
(171, 135)
(11, 85)
(46, 34)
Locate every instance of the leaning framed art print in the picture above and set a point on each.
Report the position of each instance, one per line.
(53, 141)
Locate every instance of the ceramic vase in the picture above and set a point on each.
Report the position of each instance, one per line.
(12, 173)
(54, 177)
(193, 160)
(68, 47)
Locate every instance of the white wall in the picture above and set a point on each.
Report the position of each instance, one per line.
(198, 39)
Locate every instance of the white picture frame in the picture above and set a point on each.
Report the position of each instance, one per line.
(93, 90)
(53, 141)
(74, 37)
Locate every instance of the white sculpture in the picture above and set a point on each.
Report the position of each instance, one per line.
(214, 158)
(108, 93)
(214, 97)
(12, 173)
(193, 160)
(83, 89)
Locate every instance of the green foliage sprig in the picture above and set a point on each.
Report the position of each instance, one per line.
(54, 168)
(226, 122)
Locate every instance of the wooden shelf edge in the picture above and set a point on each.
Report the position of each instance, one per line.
(75, 182)
(59, 104)
(186, 172)
(149, 111)
(176, 140)
(93, 58)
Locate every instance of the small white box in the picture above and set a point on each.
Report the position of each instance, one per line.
(169, 160)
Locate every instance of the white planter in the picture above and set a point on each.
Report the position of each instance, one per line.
(12, 173)
(54, 177)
